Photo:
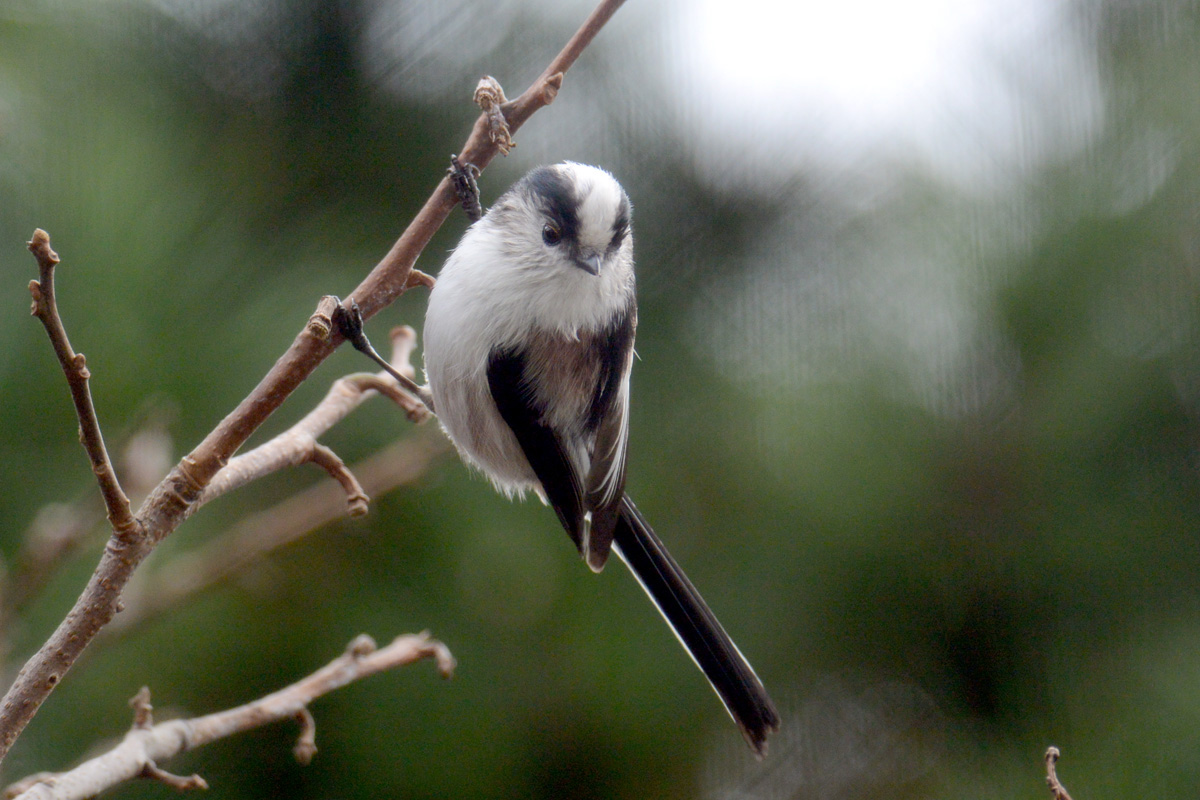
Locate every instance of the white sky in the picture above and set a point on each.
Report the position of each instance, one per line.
(967, 84)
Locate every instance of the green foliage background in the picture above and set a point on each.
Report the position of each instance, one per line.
(928, 445)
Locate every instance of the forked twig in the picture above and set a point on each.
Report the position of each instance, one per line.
(299, 444)
(147, 744)
(251, 539)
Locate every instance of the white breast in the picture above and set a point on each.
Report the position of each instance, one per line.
(486, 297)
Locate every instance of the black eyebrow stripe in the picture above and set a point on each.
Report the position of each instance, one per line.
(621, 223)
(620, 226)
(554, 195)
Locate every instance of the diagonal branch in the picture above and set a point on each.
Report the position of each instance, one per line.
(147, 744)
(74, 366)
(298, 444)
(153, 593)
(59, 529)
(167, 506)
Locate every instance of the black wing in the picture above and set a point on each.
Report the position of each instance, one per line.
(609, 419)
(603, 359)
(542, 448)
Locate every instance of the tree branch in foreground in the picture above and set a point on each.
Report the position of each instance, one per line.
(74, 366)
(256, 536)
(59, 529)
(167, 506)
(298, 444)
(147, 744)
(1056, 788)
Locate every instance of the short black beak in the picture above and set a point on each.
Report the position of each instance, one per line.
(589, 264)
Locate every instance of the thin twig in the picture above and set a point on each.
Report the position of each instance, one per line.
(349, 322)
(151, 594)
(179, 783)
(1056, 788)
(74, 366)
(331, 462)
(167, 506)
(290, 520)
(298, 444)
(59, 529)
(306, 742)
(146, 745)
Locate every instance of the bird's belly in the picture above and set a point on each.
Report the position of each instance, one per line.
(482, 437)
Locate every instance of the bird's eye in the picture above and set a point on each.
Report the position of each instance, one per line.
(551, 235)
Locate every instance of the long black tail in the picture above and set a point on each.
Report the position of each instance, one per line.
(697, 628)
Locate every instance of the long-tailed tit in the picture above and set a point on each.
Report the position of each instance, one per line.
(528, 349)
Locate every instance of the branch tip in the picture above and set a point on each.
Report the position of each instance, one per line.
(1056, 788)
(402, 335)
(306, 743)
(143, 712)
(418, 278)
(430, 647)
(362, 645)
(358, 505)
(152, 771)
(39, 245)
(25, 784)
(446, 662)
(326, 459)
(488, 93)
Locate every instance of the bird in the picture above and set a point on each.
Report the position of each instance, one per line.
(528, 350)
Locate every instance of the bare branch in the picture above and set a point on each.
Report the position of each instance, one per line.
(349, 321)
(177, 782)
(74, 366)
(331, 462)
(298, 444)
(252, 538)
(306, 743)
(170, 502)
(59, 529)
(1056, 788)
(146, 744)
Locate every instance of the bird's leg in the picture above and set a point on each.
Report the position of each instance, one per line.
(463, 176)
(349, 321)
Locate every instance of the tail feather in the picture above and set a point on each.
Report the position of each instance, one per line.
(697, 628)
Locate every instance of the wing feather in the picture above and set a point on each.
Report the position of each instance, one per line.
(525, 383)
(610, 414)
(542, 448)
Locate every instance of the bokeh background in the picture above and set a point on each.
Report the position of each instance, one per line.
(916, 405)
